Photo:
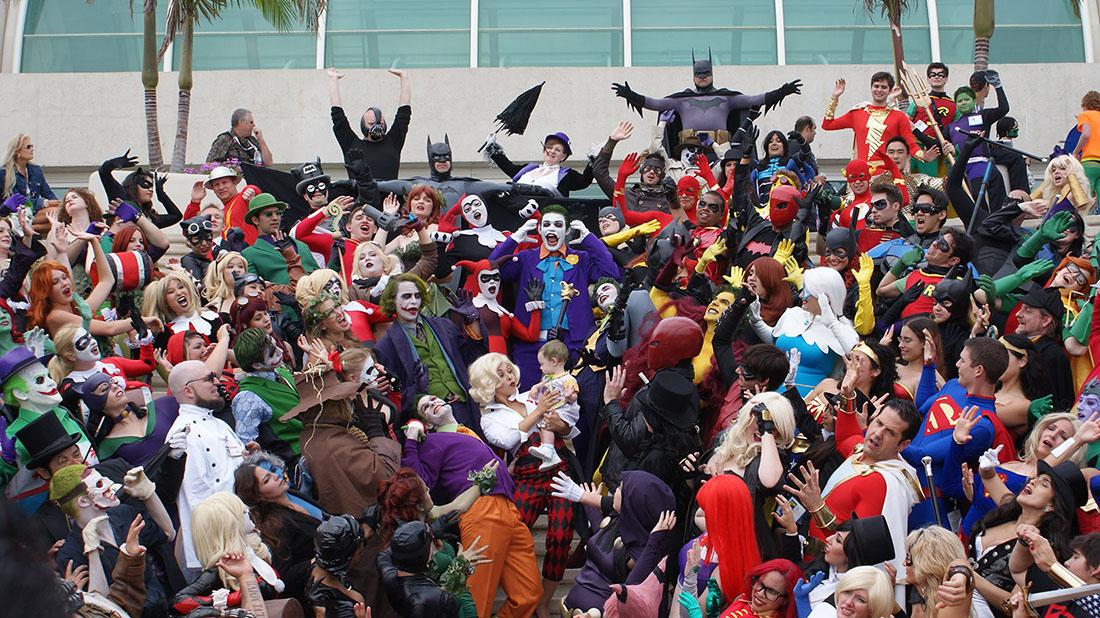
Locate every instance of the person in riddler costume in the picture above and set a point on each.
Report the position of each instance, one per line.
(704, 108)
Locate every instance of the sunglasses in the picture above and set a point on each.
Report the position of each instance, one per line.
(880, 204)
(211, 378)
(928, 209)
(317, 188)
(197, 227)
(942, 244)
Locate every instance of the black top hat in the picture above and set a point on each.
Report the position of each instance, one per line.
(869, 543)
(667, 400)
(43, 438)
(1070, 489)
(310, 173)
(1047, 299)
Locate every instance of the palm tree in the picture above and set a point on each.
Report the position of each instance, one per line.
(984, 11)
(150, 77)
(892, 10)
(182, 17)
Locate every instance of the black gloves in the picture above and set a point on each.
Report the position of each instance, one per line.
(775, 97)
(534, 289)
(124, 161)
(633, 99)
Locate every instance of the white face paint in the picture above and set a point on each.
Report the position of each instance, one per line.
(473, 210)
(552, 229)
(41, 394)
(606, 296)
(488, 282)
(434, 411)
(85, 345)
(408, 301)
(101, 490)
(247, 527)
(273, 354)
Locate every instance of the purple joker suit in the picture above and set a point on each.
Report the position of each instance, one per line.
(593, 261)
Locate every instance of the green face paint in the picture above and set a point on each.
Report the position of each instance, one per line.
(964, 103)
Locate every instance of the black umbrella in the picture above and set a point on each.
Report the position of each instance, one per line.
(514, 118)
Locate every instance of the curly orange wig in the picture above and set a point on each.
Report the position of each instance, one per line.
(41, 285)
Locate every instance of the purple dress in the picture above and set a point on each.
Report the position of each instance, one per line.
(644, 496)
(139, 451)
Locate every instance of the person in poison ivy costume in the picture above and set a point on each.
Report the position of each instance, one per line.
(267, 393)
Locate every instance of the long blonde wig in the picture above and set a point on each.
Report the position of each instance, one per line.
(738, 447)
(15, 144)
(932, 551)
(484, 379)
(214, 286)
(64, 342)
(217, 529)
(1032, 441)
(1077, 180)
(155, 300)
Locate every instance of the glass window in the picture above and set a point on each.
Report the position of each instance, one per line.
(521, 33)
(405, 33)
(76, 36)
(1025, 32)
(844, 32)
(741, 34)
(243, 39)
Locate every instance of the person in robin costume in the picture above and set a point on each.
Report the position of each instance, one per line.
(273, 254)
(267, 393)
(704, 110)
(559, 268)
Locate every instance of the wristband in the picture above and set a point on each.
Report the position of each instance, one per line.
(1064, 448)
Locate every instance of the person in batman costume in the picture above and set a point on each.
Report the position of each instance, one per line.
(704, 108)
(440, 177)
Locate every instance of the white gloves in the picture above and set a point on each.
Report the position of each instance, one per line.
(177, 443)
(534, 304)
(138, 485)
(35, 341)
(520, 235)
(529, 209)
(580, 228)
(91, 534)
(565, 488)
(794, 357)
(380, 286)
(990, 459)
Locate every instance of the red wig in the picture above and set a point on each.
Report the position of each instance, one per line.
(123, 237)
(727, 506)
(438, 202)
(401, 498)
(41, 285)
(790, 572)
(771, 273)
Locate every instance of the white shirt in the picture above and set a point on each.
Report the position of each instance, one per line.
(213, 454)
(545, 176)
(501, 423)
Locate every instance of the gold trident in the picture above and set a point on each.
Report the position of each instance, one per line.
(916, 86)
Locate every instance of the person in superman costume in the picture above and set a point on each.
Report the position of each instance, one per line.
(981, 364)
(716, 112)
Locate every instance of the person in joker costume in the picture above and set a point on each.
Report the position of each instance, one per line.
(28, 386)
(429, 354)
(498, 325)
(555, 264)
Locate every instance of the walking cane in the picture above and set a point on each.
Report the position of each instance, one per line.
(927, 461)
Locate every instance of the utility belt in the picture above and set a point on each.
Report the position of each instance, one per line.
(720, 136)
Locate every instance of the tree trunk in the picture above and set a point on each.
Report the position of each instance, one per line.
(179, 152)
(984, 23)
(150, 77)
(899, 52)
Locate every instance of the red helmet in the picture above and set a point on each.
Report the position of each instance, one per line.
(783, 205)
(675, 339)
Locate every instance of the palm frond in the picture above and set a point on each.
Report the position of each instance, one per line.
(890, 9)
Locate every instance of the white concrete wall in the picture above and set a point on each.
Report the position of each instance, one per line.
(77, 120)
